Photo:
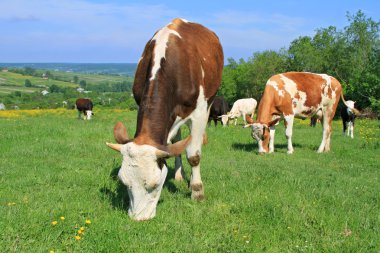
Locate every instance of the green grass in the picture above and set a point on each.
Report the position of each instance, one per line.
(16, 82)
(54, 165)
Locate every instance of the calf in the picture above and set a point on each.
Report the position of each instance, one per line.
(241, 107)
(295, 94)
(176, 80)
(84, 105)
(218, 108)
(348, 117)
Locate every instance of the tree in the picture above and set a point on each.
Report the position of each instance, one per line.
(83, 84)
(28, 83)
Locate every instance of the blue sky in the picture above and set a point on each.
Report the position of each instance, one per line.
(116, 31)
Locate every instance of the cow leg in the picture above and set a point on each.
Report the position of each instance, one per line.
(235, 121)
(327, 121)
(178, 167)
(245, 122)
(272, 131)
(215, 121)
(351, 129)
(79, 114)
(344, 126)
(193, 153)
(289, 132)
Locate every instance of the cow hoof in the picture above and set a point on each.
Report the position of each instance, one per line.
(178, 176)
(290, 152)
(197, 192)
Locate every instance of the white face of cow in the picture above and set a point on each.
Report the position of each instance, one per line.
(258, 135)
(144, 179)
(225, 119)
(88, 115)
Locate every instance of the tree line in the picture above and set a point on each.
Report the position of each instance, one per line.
(352, 55)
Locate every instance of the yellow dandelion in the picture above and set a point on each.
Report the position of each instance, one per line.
(54, 223)
(11, 203)
(79, 232)
(62, 217)
(88, 221)
(82, 228)
(77, 237)
(51, 251)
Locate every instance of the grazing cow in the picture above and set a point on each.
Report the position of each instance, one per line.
(176, 80)
(348, 117)
(218, 108)
(295, 94)
(241, 107)
(84, 105)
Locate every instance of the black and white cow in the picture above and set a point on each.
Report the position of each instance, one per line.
(84, 105)
(348, 117)
(218, 108)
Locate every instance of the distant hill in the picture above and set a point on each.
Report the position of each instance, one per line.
(124, 69)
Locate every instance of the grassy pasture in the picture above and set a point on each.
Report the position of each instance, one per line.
(18, 80)
(53, 165)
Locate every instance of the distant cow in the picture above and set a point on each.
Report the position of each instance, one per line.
(348, 117)
(241, 107)
(175, 83)
(218, 108)
(295, 94)
(84, 105)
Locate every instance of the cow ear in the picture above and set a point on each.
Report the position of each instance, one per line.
(274, 122)
(248, 119)
(120, 133)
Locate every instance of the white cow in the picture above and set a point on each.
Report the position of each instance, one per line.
(241, 107)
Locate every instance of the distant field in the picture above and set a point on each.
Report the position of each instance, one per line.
(10, 89)
(59, 191)
(14, 79)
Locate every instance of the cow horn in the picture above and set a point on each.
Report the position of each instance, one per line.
(120, 133)
(248, 125)
(173, 149)
(116, 147)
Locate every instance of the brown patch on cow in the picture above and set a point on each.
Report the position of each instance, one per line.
(310, 84)
(194, 160)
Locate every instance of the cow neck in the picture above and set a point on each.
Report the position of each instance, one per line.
(153, 120)
(266, 109)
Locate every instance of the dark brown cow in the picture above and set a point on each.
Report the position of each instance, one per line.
(218, 108)
(176, 80)
(296, 94)
(84, 105)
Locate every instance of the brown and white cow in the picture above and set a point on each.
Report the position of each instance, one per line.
(176, 80)
(84, 105)
(295, 94)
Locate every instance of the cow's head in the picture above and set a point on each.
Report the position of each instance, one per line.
(226, 117)
(89, 114)
(143, 171)
(260, 132)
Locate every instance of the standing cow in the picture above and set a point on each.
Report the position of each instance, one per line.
(84, 105)
(241, 107)
(295, 94)
(218, 108)
(348, 117)
(176, 80)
